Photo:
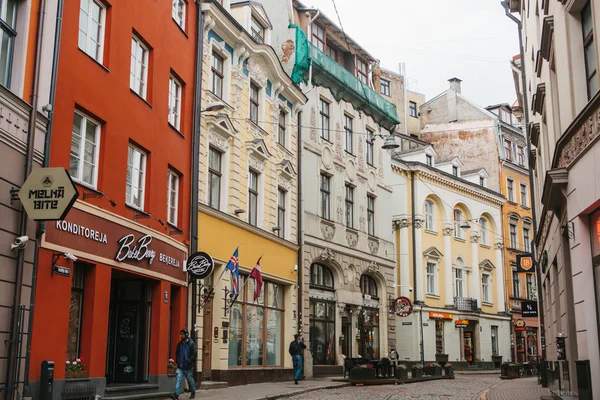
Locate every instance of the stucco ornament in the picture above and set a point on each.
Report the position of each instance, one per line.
(418, 223)
(351, 170)
(580, 139)
(327, 255)
(258, 70)
(373, 245)
(373, 267)
(380, 166)
(328, 230)
(313, 125)
(218, 141)
(362, 221)
(499, 245)
(256, 164)
(475, 238)
(447, 230)
(327, 158)
(352, 238)
(339, 151)
(287, 48)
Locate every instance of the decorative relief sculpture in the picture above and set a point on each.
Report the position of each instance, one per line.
(313, 125)
(327, 254)
(352, 238)
(373, 246)
(257, 68)
(373, 267)
(327, 230)
(475, 238)
(499, 246)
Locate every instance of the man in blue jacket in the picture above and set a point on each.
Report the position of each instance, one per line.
(185, 356)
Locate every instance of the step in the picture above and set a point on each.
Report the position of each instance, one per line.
(207, 385)
(328, 369)
(143, 396)
(130, 387)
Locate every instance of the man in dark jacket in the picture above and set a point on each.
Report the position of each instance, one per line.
(185, 356)
(296, 350)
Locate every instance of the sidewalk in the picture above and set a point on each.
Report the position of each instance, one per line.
(479, 372)
(522, 389)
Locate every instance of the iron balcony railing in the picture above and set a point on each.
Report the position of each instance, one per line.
(465, 304)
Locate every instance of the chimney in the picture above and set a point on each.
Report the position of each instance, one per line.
(455, 84)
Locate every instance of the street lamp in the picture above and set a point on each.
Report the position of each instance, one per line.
(390, 143)
(211, 107)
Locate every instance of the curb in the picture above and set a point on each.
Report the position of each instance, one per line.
(300, 392)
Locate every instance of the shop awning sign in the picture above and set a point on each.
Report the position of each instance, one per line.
(525, 263)
(200, 265)
(439, 315)
(48, 194)
(461, 323)
(529, 308)
(402, 306)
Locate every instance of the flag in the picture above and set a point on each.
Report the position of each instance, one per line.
(234, 266)
(257, 276)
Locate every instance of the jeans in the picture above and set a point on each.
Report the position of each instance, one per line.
(297, 367)
(189, 375)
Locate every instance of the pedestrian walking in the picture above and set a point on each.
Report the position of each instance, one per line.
(185, 356)
(297, 347)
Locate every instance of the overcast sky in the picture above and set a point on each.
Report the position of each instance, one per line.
(437, 39)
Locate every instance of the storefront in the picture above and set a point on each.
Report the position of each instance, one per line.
(112, 293)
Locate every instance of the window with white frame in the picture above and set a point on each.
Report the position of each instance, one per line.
(172, 197)
(254, 102)
(349, 206)
(431, 277)
(587, 24)
(138, 81)
(531, 292)
(281, 137)
(526, 239)
(253, 197)
(494, 333)
(385, 86)
(510, 189)
(318, 36)
(8, 23)
(281, 206)
(217, 74)
(179, 9)
(325, 196)
(362, 71)
(458, 218)
(85, 143)
(483, 231)
(214, 178)
(523, 195)
(459, 278)
(257, 31)
(521, 156)
(135, 184)
(429, 160)
(485, 288)
(430, 215)
(370, 147)
(324, 119)
(412, 109)
(481, 181)
(371, 214)
(348, 122)
(175, 102)
(92, 17)
(512, 228)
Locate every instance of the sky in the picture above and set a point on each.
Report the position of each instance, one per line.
(436, 39)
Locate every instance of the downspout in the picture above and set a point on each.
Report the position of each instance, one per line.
(405, 105)
(309, 34)
(413, 200)
(531, 191)
(299, 235)
(14, 323)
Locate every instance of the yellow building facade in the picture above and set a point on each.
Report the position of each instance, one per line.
(248, 199)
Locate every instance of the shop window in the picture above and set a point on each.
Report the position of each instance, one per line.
(368, 286)
(75, 313)
(368, 327)
(322, 342)
(439, 337)
(256, 326)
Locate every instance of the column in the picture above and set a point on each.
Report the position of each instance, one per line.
(420, 288)
(448, 277)
(475, 283)
(404, 258)
(500, 278)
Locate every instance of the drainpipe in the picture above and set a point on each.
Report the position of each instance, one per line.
(416, 288)
(531, 191)
(11, 367)
(299, 235)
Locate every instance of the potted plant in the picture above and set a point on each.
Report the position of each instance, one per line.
(448, 370)
(402, 372)
(432, 369)
(362, 373)
(171, 367)
(497, 360)
(76, 369)
(510, 370)
(417, 371)
(441, 359)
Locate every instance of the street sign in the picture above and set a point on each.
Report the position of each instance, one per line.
(525, 263)
(48, 194)
(200, 265)
(529, 308)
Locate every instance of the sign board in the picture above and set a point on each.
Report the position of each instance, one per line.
(439, 315)
(461, 323)
(595, 237)
(525, 263)
(48, 194)
(402, 307)
(561, 351)
(529, 308)
(520, 325)
(58, 270)
(200, 265)
(407, 323)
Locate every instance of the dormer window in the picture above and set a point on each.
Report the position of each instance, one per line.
(257, 31)
(481, 181)
(362, 71)
(454, 170)
(430, 160)
(318, 37)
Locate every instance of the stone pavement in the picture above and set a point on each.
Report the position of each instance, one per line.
(521, 389)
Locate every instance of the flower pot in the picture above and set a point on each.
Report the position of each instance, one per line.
(449, 371)
(171, 371)
(441, 359)
(362, 373)
(417, 373)
(402, 374)
(83, 374)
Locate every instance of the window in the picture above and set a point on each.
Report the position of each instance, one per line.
(325, 196)
(362, 71)
(85, 142)
(92, 15)
(139, 67)
(368, 333)
(321, 275)
(508, 150)
(256, 327)
(318, 36)
(526, 240)
(370, 147)
(485, 288)
(368, 286)
(253, 197)
(430, 215)
(412, 106)
(439, 337)
(510, 190)
(254, 102)
(521, 156)
(429, 160)
(523, 195)
(324, 120)
(75, 312)
(216, 66)
(454, 170)
(349, 206)
(483, 231)
(458, 231)
(531, 292)
(513, 236)
(371, 215)
(494, 334)
(331, 52)
(458, 279)
(214, 178)
(179, 8)
(431, 272)
(172, 197)
(385, 87)
(174, 102)
(516, 285)
(136, 177)
(589, 50)
(282, 126)
(257, 31)
(348, 129)
(323, 341)
(8, 17)
(281, 202)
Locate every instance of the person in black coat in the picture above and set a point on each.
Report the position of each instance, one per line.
(296, 350)
(185, 356)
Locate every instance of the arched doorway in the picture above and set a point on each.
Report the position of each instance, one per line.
(368, 320)
(322, 313)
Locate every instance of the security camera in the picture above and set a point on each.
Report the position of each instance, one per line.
(70, 256)
(19, 243)
(410, 288)
(296, 267)
(47, 107)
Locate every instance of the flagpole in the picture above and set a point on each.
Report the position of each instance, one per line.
(212, 287)
(245, 283)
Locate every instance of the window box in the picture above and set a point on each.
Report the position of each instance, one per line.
(83, 374)
(449, 370)
(441, 359)
(402, 372)
(510, 371)
(417, 371)
(432, 370)
(362, 373)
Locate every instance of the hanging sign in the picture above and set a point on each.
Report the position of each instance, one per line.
(461, 323)
(48, 194)
(525, 263)
(529, 308)
(402, 306)
(520, 325)
(200, 265)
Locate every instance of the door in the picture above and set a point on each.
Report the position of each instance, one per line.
(346, 341)
(468, 347)
(207, 341)
(126, 358)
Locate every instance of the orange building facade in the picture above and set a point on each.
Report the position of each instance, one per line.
(122, 128)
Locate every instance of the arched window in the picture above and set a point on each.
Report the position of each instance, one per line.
(484, 231)
(320, 275)
(429, 215)
(368, 285)
(458, 219)
(459, 278)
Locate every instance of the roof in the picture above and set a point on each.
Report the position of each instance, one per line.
(472, 171)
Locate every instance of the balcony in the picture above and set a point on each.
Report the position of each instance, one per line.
(465, 304)
(515, 305)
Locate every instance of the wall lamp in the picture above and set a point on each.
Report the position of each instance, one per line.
(98, 195)
(390, 143)
(211, 107)
(276, 229)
